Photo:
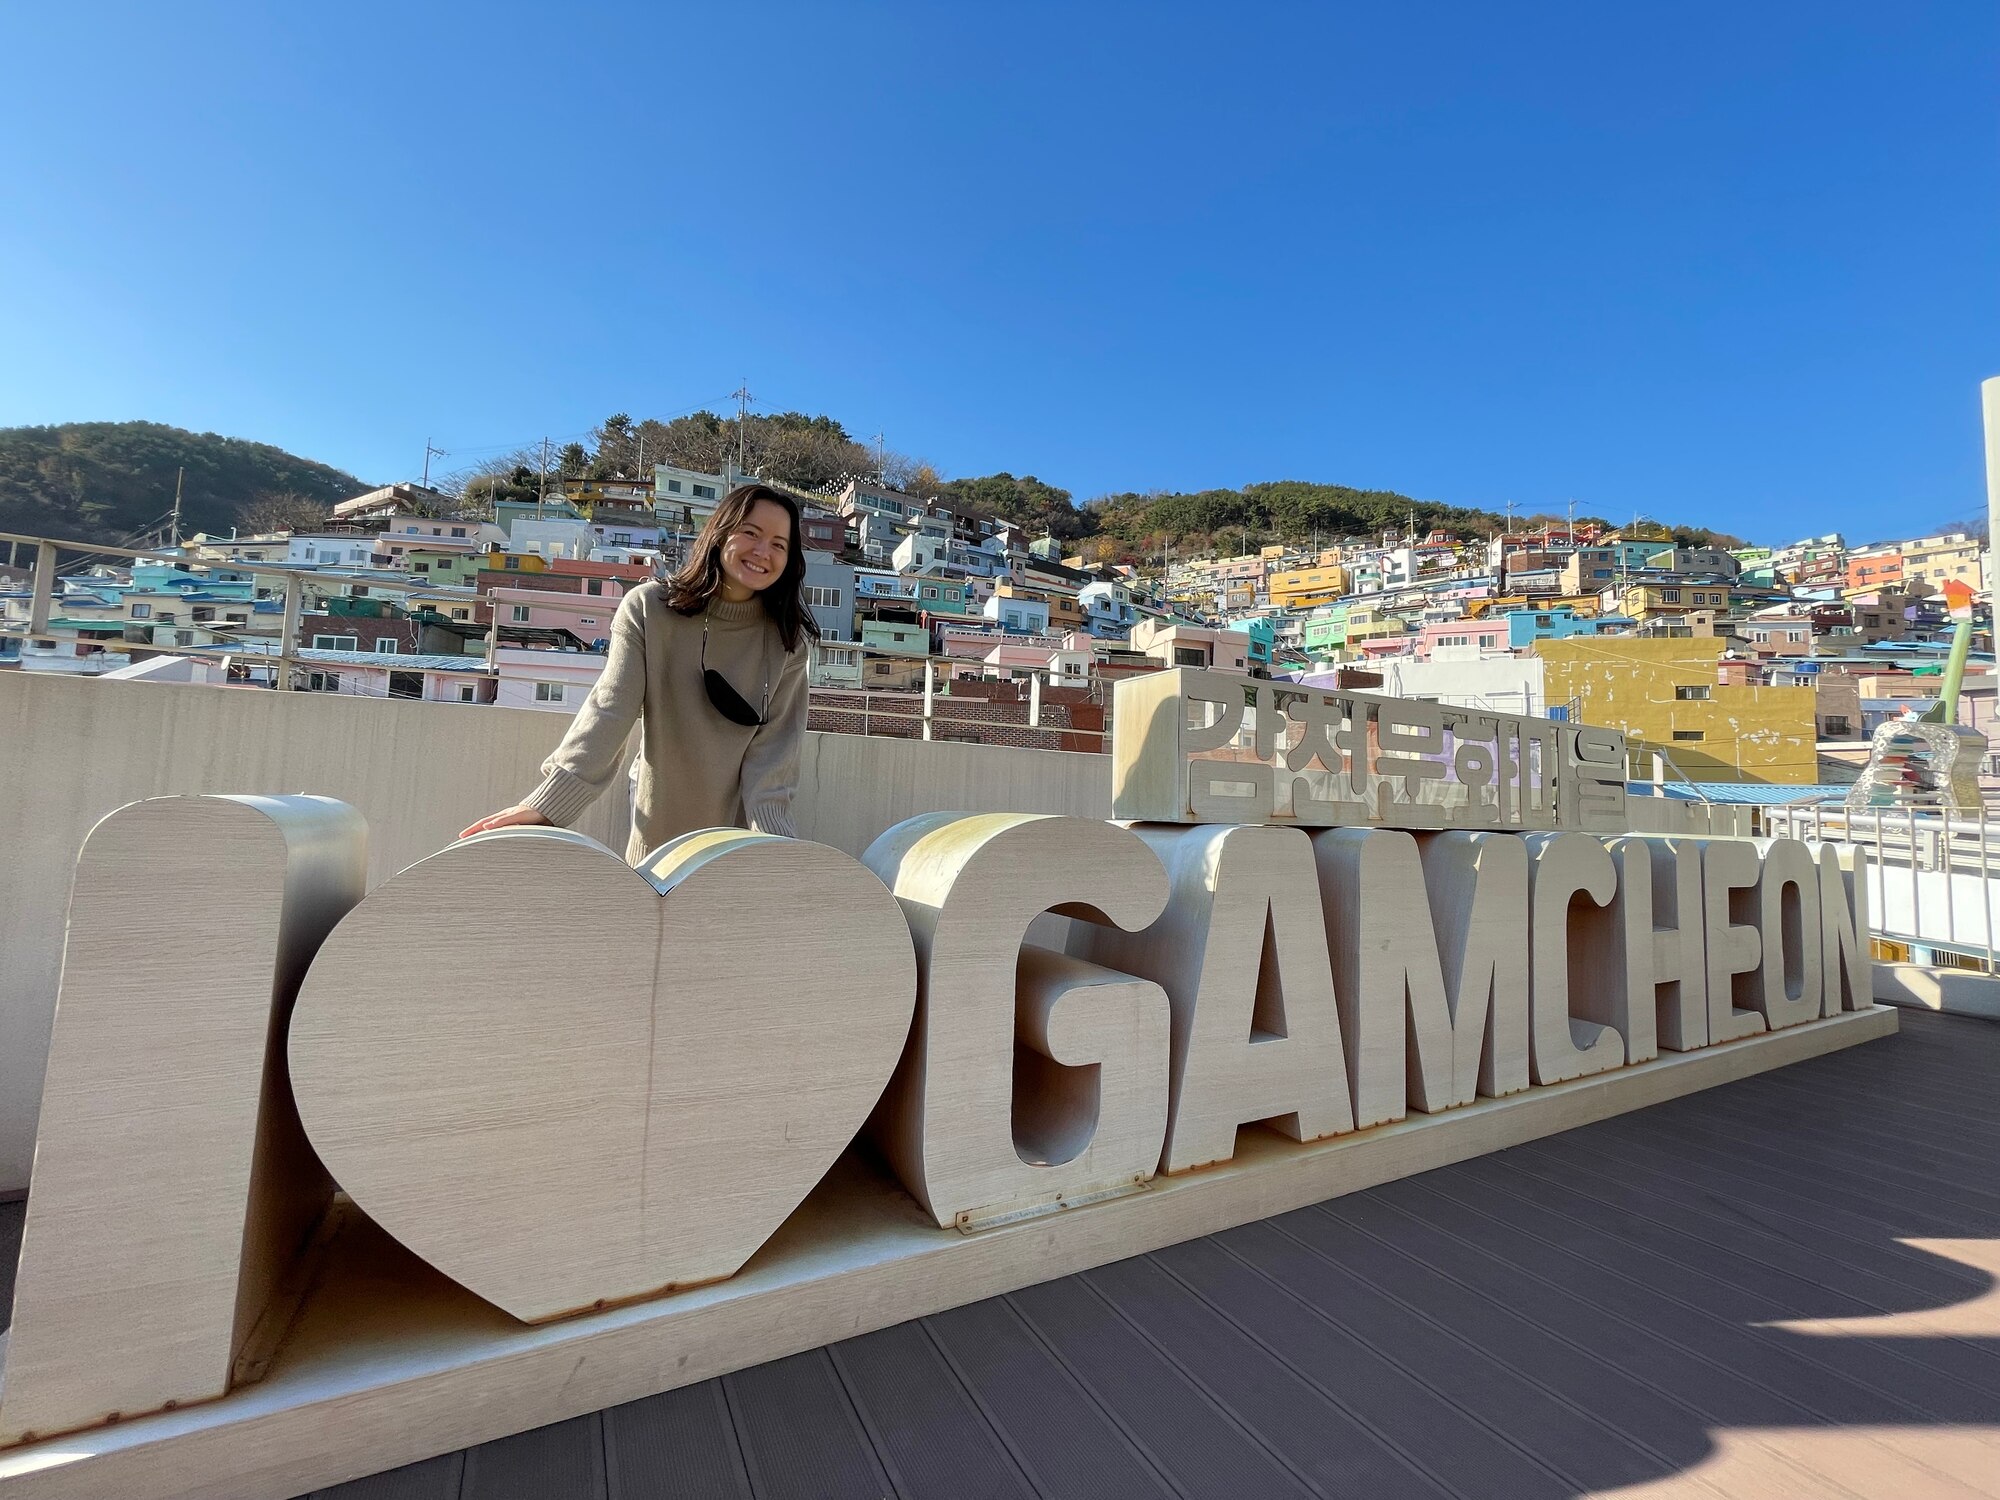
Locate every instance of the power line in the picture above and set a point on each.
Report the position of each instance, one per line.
(464, 450)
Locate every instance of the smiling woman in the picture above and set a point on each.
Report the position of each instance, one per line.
(711, 665)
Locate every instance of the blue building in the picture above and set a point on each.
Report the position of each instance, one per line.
(1526, 626)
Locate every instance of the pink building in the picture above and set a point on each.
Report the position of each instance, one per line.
(1015, 658)
(1487, 635)
(367, 674)
(1377, 647)
(587, 617)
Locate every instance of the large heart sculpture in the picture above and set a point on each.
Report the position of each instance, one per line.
(566, 1083)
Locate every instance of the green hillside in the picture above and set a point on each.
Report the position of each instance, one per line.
(106, 481)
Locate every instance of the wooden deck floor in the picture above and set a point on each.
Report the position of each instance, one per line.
(1784, 1287)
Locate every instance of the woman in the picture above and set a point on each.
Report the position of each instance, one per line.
(712, 664)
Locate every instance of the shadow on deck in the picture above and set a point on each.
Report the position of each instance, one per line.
(1781, 1287)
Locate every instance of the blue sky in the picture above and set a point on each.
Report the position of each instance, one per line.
(1724, 263)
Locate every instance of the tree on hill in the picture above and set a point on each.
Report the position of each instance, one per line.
(287, 511)
(109, 481)
(808, 452)
(1037, 507)
(817, 454)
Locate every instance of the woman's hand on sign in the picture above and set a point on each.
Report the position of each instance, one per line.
(507, 817)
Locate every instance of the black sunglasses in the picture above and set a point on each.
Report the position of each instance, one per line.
(731, 704)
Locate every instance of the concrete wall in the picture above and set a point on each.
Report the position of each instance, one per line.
(72, 750)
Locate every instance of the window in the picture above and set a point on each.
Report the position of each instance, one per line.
(1689, 734)
(593, 586)
(549, 692)
(1691, 694)
(385, 647)
(519, 614)
(336, 643)
(465, 692)
(822, 598)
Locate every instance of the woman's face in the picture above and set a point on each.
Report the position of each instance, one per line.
(754, 554)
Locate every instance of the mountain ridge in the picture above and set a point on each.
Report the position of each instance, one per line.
(111, 481)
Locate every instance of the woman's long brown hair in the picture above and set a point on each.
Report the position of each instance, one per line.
(693, 585)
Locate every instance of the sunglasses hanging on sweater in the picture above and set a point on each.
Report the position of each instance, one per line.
(731, 704)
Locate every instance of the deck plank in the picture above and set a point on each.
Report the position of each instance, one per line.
(681, 1443)
(1605, 1310)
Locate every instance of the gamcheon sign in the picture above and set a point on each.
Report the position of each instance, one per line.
(362, 1176)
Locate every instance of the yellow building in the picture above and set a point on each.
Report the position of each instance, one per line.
(1663, 693)
(1936, 558)
(1367, 622)
(1654, 601)
(1304, 588)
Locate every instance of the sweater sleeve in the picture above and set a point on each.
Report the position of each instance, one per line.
(771, 763)
(581, 767)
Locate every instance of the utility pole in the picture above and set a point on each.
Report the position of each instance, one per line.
(179, 475)
(430, 452)
(743, 399)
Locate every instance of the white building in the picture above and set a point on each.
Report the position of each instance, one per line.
(1466, 677)
(555, 681)
(330, 549)
(684, 498)
(550, 540)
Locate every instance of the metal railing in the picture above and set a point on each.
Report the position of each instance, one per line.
(1927, 866)
(931, 711)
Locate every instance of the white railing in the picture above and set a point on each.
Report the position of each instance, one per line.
(1931, 872)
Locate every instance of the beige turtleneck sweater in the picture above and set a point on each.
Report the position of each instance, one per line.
(696, 769)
